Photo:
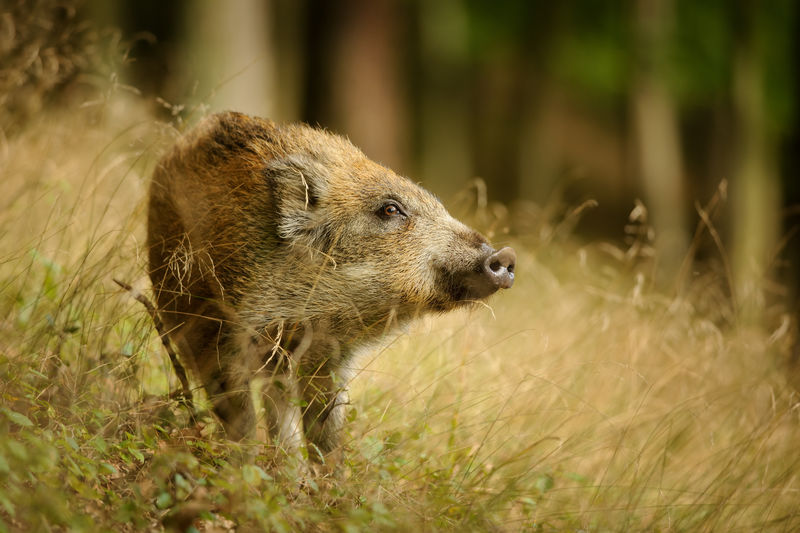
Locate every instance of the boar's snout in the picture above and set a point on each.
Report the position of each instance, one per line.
(494, 271)
(498, 268)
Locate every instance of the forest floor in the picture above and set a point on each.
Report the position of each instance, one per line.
(581, 400)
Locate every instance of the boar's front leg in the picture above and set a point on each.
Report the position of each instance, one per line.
(205, 339)
(227, 383)
(283, 411)
(325, 398)
(232, 404)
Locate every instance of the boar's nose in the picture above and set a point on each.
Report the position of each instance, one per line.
(498, 268)
(492, 271)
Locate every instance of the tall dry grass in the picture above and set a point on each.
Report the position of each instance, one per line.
(590, 402)
(583, 399)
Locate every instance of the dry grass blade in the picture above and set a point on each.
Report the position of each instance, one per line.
(185, 394)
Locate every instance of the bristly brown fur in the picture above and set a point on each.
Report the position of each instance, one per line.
(271, 252)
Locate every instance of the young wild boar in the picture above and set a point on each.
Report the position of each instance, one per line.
(279, 250)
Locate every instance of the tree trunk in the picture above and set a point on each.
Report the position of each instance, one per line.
(755, 190)
(367, 85)
(658, 138)
(230, 56)
(444, 147)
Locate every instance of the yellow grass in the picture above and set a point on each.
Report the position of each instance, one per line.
(581, 400)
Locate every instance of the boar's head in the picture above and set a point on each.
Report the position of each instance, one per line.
(390, 245)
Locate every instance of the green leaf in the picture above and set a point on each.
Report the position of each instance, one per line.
(544, 483)
(137, 454)
(17, 449)
(528, 501)
(72, 443)
(576, 477)
(163, 500)
(182, 483)
(109, 468)
(17, 418)
(253, 474)
(371, 448)
(7, 505)
(100, 444)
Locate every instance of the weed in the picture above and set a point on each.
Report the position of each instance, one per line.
(583, 400)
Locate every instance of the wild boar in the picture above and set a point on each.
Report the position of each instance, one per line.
(279, 250)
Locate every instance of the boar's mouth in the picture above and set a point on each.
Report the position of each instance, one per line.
(491, 272)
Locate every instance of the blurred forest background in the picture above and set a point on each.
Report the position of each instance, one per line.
(642, 157)
(688, 106)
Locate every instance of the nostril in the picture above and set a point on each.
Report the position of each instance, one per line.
(499, 268)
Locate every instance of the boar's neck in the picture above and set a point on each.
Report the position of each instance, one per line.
(323, 339)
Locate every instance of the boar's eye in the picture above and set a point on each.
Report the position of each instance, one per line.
(389, 210)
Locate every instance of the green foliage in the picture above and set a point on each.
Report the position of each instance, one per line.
(594, 57)
(584, 400)
(777, 27)
(701, 48)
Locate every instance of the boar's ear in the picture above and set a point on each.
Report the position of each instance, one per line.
(298, 182)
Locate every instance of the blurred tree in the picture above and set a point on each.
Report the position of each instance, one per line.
(500, 42)
(580, 149)
(755, 189)
(440, 84)
(659, 99)
(367, 98)
(655, 118)
(291, 52)
(149, 30)
(319, 24)
(791, 186)
(539, 159)
(228, 55)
